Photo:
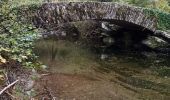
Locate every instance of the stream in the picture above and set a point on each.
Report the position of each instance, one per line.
(130, 75)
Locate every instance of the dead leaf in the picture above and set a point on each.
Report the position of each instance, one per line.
(2, 60)
(1, 77)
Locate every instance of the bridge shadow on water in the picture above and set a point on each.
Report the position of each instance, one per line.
(130, 58)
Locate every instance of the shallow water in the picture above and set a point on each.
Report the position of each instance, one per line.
(147, 74)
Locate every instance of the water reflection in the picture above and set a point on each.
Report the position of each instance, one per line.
(148, 71)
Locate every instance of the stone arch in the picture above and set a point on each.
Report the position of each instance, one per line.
(54, 13)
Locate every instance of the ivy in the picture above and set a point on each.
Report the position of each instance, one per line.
(163, 18)
(16, 37)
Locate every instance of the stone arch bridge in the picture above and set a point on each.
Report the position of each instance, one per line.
(49, 14)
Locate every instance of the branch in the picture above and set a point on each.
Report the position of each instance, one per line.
(10, 85)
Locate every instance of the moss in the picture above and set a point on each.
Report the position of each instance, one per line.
(163, 18)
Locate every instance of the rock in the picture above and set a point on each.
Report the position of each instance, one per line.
(104, 34)
(29, 85)
(65, 31)
(104, 56)
(105, 25)
(63, 34)
(154, 42)
(108, 40)
(165, 35)
(44, 67)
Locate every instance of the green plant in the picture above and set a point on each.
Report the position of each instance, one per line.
(162, 5)
(163, 18)
(18, 3)
(16, 38)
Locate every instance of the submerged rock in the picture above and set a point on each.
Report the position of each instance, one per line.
(154, 42)
(105, 25)
(104, 56)
(108, 40)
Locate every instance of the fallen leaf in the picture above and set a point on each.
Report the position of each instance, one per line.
(2, 60)
(1, 77)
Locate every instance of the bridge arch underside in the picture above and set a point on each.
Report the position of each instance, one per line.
(127, 25)
(132, 21)
(128, 36)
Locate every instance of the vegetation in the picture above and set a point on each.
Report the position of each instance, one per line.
(162, 5)
(17, 3)
(16, 37)
(163, 18)
(17, 41)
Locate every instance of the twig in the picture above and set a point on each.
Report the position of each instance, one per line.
(10, 94)
(13, 83)
(45, 74)
(48, 92)
(6, 76)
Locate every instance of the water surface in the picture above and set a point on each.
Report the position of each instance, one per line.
(146, 74)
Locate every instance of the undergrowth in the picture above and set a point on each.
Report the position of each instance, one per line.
(16, 37)
(163, 18)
